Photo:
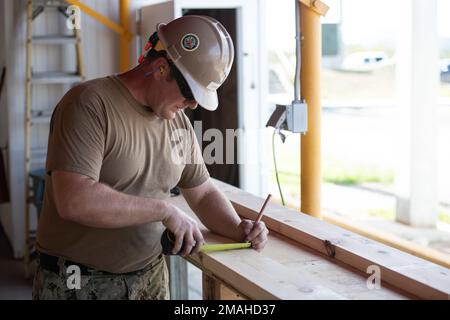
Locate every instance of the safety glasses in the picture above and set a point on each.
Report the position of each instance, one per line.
(182, 83)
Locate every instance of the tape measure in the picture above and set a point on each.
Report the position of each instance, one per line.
(168, 239)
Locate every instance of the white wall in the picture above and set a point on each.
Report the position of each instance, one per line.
(4, 123)
(418, 90)
(100, 53)
(13, 46)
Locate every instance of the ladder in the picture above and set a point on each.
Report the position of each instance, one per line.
(38, 117)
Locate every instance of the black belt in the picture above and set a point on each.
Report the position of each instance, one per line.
(50, 263)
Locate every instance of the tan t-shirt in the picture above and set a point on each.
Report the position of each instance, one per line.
(99, 130)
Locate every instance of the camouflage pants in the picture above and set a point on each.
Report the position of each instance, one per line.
(150, 283)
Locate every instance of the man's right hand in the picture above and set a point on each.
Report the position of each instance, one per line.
(186, 231)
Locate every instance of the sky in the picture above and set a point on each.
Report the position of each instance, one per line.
(365, 22)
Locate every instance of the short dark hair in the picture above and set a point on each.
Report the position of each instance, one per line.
(153, 55)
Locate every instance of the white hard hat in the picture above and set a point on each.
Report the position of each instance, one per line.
(202, 50)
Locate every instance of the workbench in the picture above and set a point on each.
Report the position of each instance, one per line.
(307, 258)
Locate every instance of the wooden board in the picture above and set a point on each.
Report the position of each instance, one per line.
(284, 270)
(416, 276)
(214, 289)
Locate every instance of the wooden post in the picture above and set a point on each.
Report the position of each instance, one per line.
(418, 87)
(214, 289)
(211, 288)
(311, 177)
(124, 41)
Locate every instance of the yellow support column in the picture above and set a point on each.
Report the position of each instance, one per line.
(310, 87)
(125, 39)
(122, 29)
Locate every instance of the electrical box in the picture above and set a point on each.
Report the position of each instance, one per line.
(297, 117)
(292, 117)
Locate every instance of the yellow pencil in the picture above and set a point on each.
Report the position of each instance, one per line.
(232, 246)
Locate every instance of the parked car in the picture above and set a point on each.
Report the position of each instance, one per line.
(445, 70)
(365, 61)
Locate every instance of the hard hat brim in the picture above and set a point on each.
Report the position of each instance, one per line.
(205, 97)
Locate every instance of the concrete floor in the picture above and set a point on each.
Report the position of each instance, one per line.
(13, 285)
(351, 202)
(194, 282)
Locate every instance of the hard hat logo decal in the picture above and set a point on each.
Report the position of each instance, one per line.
(190, 42)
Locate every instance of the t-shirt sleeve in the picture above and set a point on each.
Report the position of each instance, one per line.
(77, 139)
(195, 172)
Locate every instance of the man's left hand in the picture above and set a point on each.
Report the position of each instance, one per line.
(254, 232)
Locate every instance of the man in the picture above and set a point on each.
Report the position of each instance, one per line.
(111, 166)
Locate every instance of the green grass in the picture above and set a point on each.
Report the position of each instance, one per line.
(339, 173)
(290, 183)
(348, 174)
(334, 171)
(389, 214)
(444, 216)
(445, 90)
(384, 213)
(445, 54)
